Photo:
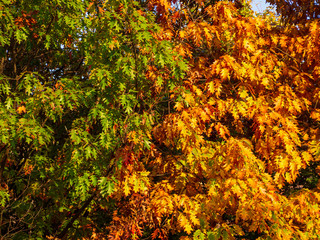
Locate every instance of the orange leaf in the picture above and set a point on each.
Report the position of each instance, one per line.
(21, 109)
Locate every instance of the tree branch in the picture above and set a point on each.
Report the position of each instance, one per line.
(77, 214)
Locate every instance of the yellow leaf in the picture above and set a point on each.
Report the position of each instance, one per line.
(213, 191)
(283, 42)
(188, 228)
(243, 93)
(207, 34)
(185, 223)
(248, 45)
(282, 162)
(136, 186)
(180, 124)
(211, 87)
(222, 130)
(274, 39)
(236, 189)
(224, 74)
(197, 90)
(178, 106)
(265, 82)
(315, 115)
(189, 98)
(126, 189)
(204, 116)
(288, 177)
(194, 219)
(305, 137)
(307, 157)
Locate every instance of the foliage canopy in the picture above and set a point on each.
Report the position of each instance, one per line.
(159, 119)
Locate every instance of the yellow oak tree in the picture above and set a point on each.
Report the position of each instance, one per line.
(237, 157)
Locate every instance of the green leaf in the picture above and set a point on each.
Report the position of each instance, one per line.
(4, 197)
(106, 186)
(225, 234)
(198, 235)
(211, 236)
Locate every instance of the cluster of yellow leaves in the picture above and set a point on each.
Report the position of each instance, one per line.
(129, 218)
(245, 124)
(254, 97)
(134, 183)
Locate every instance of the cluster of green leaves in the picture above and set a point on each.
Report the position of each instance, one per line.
(74, 95)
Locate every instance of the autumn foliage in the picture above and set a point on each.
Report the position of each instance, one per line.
(159, 120)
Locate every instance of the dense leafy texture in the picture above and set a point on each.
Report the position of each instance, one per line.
(158, 119)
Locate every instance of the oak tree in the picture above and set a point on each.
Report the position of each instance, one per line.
(159, 119)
